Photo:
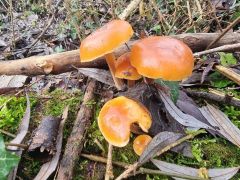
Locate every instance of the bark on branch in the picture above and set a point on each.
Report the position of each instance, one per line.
(75, 141)
(63, 62)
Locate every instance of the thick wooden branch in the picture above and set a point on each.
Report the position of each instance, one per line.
(75, 141)
(63, 62)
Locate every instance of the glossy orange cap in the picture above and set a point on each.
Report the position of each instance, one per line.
(124, 69)
(140, 143)
(105, 39)
(162, 57)
(117, 115)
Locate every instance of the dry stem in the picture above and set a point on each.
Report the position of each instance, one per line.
(236, 21)
(109, 173)
(221, 48)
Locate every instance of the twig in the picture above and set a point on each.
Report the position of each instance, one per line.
(23, 146)
(189, 13)
(133, 5)
(221, 48)
(7, 133)
(160, 16)
(50, 21)
(214, 14)
(141, 170)
(215, 95)
(104, 160)
(229, 73)
(134, 166)
(109, 173)
(12, 23)
(235, 22)
(199, 8)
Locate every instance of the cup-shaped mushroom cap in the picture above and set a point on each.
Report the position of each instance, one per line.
(124, 69)
(105, 39)
(140, 143)
(117, 115)
(162, 57)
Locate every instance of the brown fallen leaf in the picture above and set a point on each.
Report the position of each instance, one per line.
(48, 168)
(159, 141)
(100, 75)
(214, 174)
(226, 128)
(178, 115)
(11, 82)
(22, 131)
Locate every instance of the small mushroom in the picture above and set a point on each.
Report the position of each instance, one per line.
(124, 69)
(140, 143)
(162, 57)
(116, 117)
(103, 41)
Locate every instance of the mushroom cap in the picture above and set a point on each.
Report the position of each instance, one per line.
(105, 39)
(162, 57)
(124, 69)
(117, 115)
(140, 143)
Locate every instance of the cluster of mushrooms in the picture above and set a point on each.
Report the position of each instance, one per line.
(154, 57)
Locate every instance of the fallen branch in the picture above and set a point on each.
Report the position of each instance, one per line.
(230, 47)
(63, 62)
(75, 141)
(214, 95)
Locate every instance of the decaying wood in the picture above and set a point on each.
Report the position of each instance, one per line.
(63, 62)
(43, 143)
(75, 141)
(216, 96)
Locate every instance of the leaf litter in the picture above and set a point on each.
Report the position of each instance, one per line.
(214, 174)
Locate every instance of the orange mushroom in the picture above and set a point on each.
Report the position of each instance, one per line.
(103, 41)
(162, 57)
(124, 69)
(140, 143)
(116, 117)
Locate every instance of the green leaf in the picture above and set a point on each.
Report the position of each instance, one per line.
(227, 59)
(7, 160)
(173, 86)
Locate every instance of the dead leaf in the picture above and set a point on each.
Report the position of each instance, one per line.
(16, 81)
(215, 174)
(48, 168)
(184, 119)
(43, 140)
(22, 131)
(160, 141)
(226, 128)
(206, 71)
(188, 106)
(100, 75)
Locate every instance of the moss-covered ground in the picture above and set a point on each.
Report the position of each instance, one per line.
(208, 151)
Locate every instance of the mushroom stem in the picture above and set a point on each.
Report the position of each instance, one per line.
(110, 59)
(109, 173)
(131, 83)
(148, 80)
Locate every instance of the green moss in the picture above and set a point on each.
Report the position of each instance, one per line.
(12, 111)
